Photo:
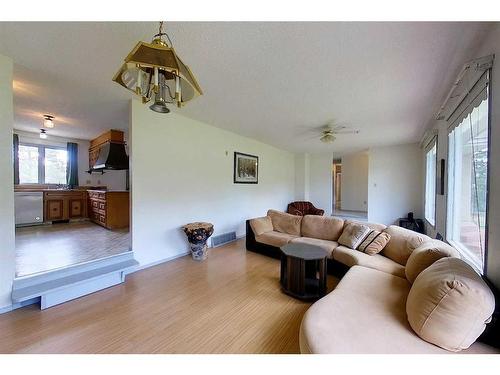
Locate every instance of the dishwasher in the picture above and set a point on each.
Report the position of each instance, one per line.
(28, 207)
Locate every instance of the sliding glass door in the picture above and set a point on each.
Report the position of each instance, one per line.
(468, 181)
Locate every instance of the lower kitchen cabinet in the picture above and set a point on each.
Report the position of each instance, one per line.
(109, 208)
(65, 205)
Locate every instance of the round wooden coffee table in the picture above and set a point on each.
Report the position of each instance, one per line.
(303, 271)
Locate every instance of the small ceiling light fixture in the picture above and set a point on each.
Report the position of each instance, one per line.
(43, 133)
(48, 121)
(154, 71)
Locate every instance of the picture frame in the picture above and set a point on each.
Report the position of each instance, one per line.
(245, 168)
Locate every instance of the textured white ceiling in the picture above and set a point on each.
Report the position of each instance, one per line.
(274, 82)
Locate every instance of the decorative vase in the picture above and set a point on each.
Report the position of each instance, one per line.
(197, 235)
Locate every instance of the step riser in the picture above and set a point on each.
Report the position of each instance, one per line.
(81, 289)
(30, 280)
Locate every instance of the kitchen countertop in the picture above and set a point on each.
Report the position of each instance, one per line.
(29, 189)
(108, 191)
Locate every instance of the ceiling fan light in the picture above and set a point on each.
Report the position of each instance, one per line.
(43, 134)
(327, 138)
(48, 121)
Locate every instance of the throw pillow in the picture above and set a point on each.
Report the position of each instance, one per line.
(353, 234)
(374, 243)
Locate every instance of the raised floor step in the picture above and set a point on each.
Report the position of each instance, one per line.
(61, 285)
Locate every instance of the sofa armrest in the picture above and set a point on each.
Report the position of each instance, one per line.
(261, 225)
(250, 236)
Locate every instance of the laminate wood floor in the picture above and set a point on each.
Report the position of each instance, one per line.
(230, 303)
(48, 247)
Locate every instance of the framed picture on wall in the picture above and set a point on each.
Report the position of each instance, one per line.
(245, 169)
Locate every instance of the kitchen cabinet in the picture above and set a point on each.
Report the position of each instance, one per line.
(64, 205)
(109, 209)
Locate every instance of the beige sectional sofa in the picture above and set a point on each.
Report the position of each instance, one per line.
(279, 228)
(367, 310)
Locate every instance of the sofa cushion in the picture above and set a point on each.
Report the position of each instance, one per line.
(374, 242)
(372, 226)
(261, 225)
(322, 227)
(425, 255)
(285, 223)
(449, 304)
(402, 243)
(326, 245)
(366, 314)
(274, 238)
(351, 258)
(353, 234)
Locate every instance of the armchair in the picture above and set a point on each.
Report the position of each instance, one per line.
(301, 208)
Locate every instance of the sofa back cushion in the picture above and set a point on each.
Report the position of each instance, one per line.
(372, 226)
(285, 223)
(402, 243)
(353, 234)
(261, 225)
(322, 227)
(449, 304)
(425, 255)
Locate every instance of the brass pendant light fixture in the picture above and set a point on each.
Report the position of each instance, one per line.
(155, 72)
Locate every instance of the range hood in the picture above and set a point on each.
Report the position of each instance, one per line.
(112, 156)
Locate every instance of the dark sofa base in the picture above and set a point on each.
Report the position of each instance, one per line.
(334, 268)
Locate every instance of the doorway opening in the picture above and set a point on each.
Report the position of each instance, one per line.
(61, 225)
(350, 186)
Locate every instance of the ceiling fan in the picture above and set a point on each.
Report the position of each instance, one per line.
(329, 132)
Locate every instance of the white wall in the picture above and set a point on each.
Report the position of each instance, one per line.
(182, 171)
(114, 180)
(320, 177)
(302, 177)
(395, 176)
(354, 182)
(7, 250)
(441, 153)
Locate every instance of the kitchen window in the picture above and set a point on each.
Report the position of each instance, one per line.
(39, 164)
(430, 183)
(468, 177)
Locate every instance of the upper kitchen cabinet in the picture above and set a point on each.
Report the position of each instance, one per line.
(108, 152)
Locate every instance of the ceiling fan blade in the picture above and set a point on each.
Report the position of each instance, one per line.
(347, 132)
(311, 137)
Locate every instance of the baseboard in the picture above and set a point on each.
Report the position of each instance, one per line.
(155, 263)
(18, 305)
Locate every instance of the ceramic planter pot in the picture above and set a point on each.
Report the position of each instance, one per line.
(197, 235)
